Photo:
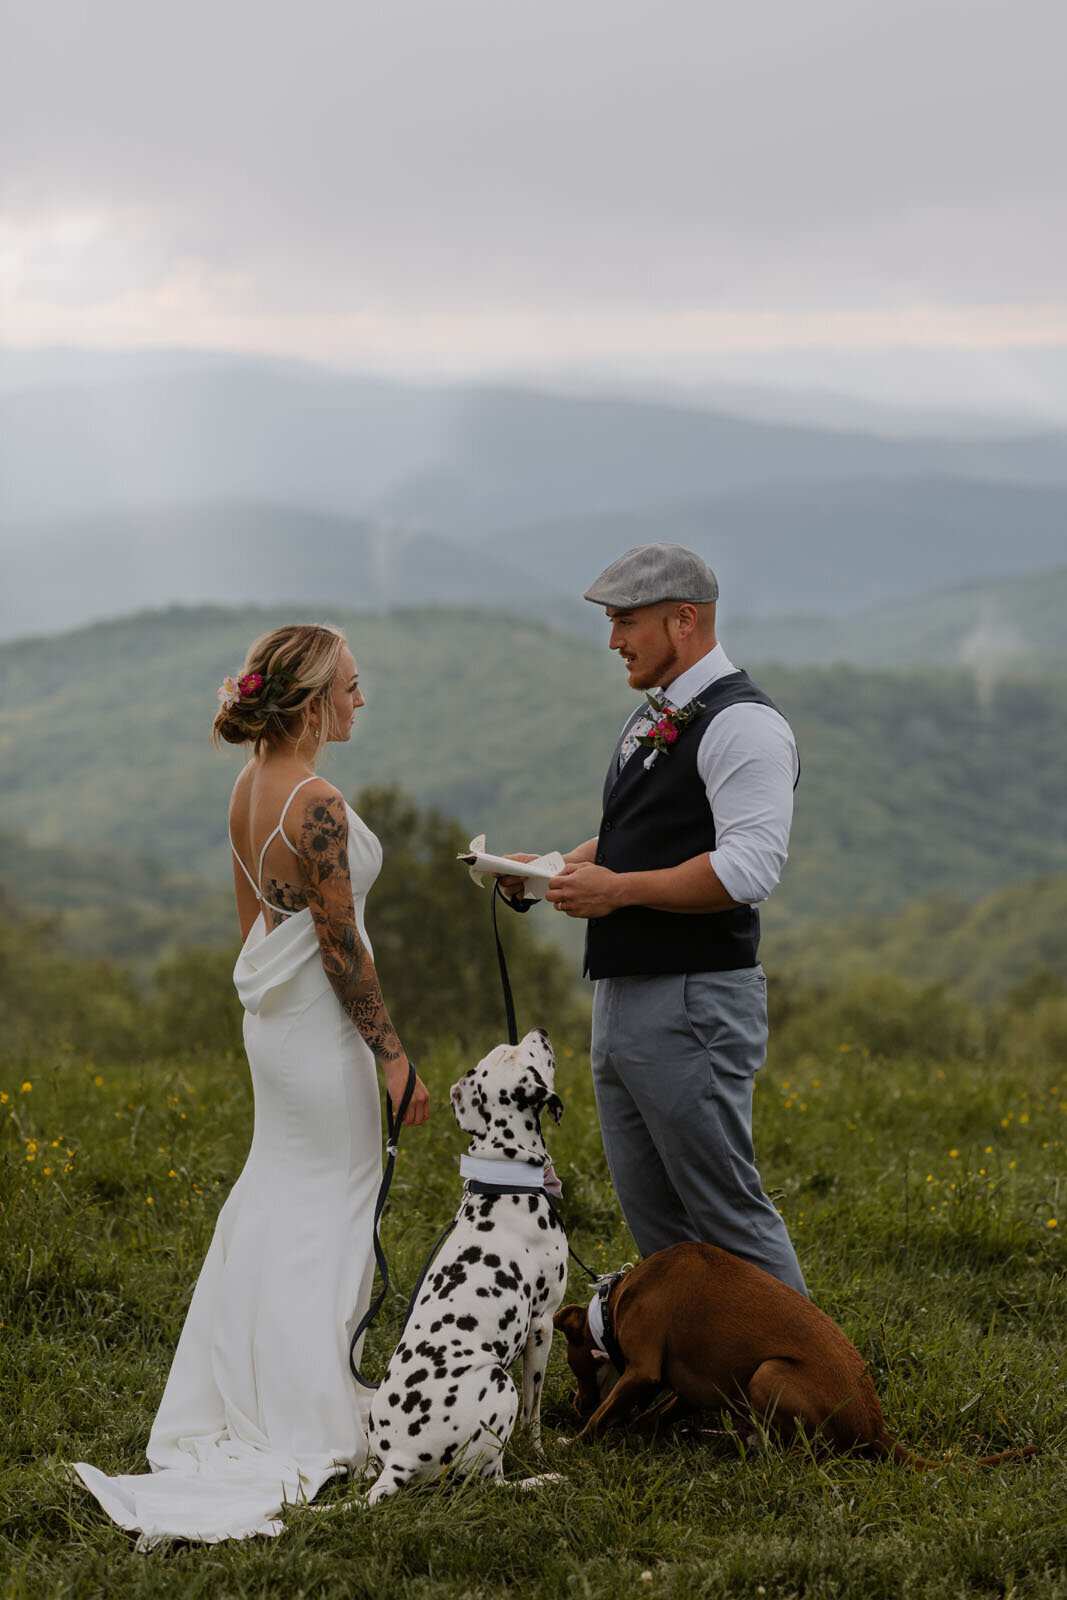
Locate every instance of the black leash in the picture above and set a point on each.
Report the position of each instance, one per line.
(505, 981)
(393, 1123)
(513, 1038)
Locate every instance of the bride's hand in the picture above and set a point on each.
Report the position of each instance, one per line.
(513, 887)
(395, 1074)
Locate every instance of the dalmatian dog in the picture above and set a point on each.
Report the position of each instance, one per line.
(491, 1293)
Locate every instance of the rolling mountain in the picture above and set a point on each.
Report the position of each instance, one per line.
(898, 562)
(912, 784)
(986, 627)
(66, 574)
(824, 549)
(462, 459)
(245, 482)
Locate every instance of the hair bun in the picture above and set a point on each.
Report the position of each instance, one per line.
(284, 673)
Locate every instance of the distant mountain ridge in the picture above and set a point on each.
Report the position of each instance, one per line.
(913, 783)
(984, 627)
(244, 482)
(825, 549)
(72, 573)
(255, 554)
(467, 457)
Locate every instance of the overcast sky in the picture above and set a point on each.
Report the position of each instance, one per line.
(470, 183)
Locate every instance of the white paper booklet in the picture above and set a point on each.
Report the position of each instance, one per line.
(535, 874)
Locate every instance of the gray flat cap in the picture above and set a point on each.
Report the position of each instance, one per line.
(655, 572)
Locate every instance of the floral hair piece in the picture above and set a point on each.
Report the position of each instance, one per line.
(254, 686)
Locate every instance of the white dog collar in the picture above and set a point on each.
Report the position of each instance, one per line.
(519, 1174)
(596, 1322)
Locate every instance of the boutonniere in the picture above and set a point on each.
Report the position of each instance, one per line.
(668, 725)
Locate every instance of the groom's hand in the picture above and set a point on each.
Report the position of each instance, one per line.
(583, 889)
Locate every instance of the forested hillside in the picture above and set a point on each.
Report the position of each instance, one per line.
(116, 904)
(247, 482)
(1008, 938)
(912, 784)
(984, 626)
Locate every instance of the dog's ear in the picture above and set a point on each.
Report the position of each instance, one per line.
(572, 1322)
(543, 1098)
(468, 1104)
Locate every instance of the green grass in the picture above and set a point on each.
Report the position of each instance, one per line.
(921, 1197)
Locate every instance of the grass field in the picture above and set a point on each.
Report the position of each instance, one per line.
(928, 1202)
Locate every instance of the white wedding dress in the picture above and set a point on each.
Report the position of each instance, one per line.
(260, 1407)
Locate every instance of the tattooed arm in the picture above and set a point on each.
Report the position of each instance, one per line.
(322, 850)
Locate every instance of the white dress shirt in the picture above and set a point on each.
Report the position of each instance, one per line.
(748, 763)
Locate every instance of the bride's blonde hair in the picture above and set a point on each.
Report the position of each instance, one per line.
(295, 666)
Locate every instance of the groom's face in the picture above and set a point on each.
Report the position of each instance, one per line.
(647, 641)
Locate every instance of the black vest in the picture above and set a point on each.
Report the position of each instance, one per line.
(659, 817)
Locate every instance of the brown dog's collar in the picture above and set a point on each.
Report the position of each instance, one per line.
(602, 1315)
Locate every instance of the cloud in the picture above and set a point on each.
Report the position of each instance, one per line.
(459, 161)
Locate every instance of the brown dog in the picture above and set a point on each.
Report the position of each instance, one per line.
(721, 1333)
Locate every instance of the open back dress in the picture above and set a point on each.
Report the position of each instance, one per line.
(260, 1407)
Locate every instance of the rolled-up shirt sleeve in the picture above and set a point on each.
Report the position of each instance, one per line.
(748, 764)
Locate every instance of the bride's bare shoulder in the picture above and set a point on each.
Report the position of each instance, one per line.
(320, 806)
(241, 793)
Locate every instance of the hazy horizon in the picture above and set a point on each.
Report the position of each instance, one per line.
(675, 193)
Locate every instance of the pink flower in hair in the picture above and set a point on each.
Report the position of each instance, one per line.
(250, 684)
(229, 692)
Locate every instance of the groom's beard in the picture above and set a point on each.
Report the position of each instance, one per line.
(650, 671)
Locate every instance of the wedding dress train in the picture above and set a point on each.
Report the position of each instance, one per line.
(260, 1407)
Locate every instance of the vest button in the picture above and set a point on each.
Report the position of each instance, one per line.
(607, 827)
(600, 858)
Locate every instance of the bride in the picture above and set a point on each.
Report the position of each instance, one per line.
(260, 1407)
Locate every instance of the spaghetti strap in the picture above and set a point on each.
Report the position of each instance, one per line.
(241, 864)
(274, 833)
(277, 829)
(285, 809)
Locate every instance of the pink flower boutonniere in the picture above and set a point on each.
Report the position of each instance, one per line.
(668, 724)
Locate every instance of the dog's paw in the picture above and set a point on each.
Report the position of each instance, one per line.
(539, 1481)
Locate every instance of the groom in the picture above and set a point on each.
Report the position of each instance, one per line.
(697, 807)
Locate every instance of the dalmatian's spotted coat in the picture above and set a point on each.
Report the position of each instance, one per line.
(488, 1298)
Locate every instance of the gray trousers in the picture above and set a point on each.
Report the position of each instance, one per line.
(674, 1059)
